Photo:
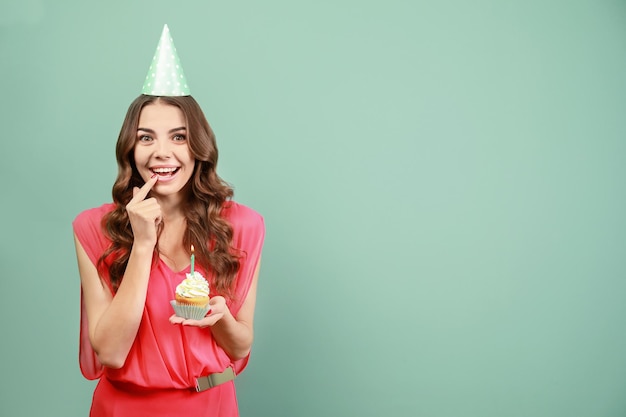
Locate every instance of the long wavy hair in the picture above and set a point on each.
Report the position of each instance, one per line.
(206, 229)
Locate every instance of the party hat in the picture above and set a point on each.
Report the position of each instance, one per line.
(165, 76)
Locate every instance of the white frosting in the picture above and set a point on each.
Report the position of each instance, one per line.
(193, 286)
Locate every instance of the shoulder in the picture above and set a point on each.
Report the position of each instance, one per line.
(242, 217)
(92, 217)
(238, 213)
(90, 233)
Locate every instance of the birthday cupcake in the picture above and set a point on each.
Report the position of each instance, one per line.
(192, 297)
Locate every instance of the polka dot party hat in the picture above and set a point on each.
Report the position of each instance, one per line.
(165, 76)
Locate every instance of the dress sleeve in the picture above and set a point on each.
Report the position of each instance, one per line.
(88, 230)
(248, 236)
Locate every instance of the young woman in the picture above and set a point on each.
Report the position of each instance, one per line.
(132, 254)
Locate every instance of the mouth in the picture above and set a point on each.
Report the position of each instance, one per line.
(165, 172)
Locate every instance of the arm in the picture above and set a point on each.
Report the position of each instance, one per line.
(114, 319)
(233, 333)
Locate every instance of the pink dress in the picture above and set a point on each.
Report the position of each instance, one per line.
(159, 376)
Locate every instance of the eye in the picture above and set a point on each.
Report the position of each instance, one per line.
(179, 138)
(144, 138)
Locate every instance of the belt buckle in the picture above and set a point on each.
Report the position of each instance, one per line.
(203, 383)
(209, 381)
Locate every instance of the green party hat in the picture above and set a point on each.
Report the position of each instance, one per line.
(165, 77)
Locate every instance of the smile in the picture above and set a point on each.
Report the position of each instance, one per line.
(165, 172)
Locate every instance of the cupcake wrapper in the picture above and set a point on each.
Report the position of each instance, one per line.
(188, 311)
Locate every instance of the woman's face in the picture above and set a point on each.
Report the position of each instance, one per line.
(161, 148)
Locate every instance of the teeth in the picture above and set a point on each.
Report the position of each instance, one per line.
(164, 170)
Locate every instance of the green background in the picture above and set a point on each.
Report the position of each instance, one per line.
(442, 184)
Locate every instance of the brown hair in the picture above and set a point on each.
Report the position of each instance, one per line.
(210, 233)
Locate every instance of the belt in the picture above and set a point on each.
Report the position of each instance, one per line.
(209, 381)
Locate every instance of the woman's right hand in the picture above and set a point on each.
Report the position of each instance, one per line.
(144, 215)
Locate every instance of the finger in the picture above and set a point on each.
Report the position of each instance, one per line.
(174, 319)
(205, 322)
(146, 209)
(217, 300)
(143, 191)
(155, 214)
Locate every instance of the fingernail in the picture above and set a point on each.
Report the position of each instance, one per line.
(153, 175)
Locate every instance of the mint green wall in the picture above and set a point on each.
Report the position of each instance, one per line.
(442, 182)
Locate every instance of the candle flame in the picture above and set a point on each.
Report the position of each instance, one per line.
(191, 248)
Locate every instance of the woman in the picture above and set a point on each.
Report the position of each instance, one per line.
(133, 252)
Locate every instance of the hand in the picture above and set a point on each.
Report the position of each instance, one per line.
(218, 309)
(144, 214)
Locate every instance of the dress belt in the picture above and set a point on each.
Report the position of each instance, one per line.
(209, 381)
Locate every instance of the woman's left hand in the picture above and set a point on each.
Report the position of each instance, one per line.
(217, 310)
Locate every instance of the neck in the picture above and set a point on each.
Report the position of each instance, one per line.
(171, 208)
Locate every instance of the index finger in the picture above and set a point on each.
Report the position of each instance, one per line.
(143, 191)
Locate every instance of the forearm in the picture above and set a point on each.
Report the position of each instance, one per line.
(235, 334)
(116, 329)
(235, 337)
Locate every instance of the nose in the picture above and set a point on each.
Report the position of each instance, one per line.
(162, 149)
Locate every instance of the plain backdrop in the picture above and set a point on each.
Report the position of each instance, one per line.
(442, 185)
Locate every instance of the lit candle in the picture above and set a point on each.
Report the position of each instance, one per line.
(193, 258)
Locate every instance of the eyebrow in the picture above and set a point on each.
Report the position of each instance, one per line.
(176, 129)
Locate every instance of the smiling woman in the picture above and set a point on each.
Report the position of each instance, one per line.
(133, 253)
(162, 150)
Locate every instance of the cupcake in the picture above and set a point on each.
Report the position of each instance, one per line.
(192, 297)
